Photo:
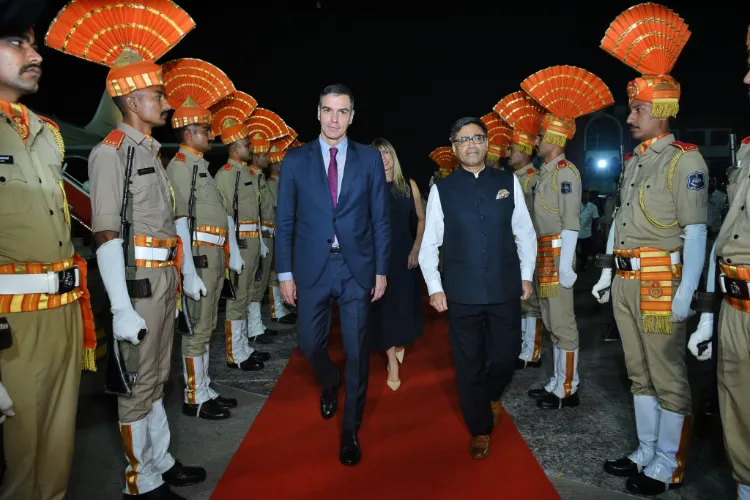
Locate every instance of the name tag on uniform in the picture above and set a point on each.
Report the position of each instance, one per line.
(203, 174)
(6, 160)
(503, 193)
(249, 183)
(146, 171)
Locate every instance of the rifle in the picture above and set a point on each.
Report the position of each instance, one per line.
(236, 211)
(259, 270)
(185, 321)
(6, 340)
(118, 379)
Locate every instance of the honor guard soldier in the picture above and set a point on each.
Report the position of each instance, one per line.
(524, 114)
(192, 86)
(732, 249)
(658, 239)
(566, 92)
(238, 182)
(46, 325)
(129, 188)
(498, 138)
(279, 311)
(263, 126)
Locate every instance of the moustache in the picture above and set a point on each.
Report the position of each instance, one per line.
(26, 68)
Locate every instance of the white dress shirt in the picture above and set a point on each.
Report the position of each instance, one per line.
(523, 230)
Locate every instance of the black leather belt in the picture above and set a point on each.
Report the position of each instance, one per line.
(66, 280)
(138, 289)
(335, 250)
(200, 261)
(737, 289)
(604, 261)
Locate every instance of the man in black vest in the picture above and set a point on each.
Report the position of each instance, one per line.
(474, 214)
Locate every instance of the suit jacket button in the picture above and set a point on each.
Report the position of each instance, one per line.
(328, 241)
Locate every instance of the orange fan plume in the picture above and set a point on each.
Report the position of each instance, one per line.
(445, 158)
(296, 144)
(231, 112)
(292, 133)
(524, 114)
(566, 92)
(282, 143)
(498, 136)
(649, 38)
(268, 123)
(191, 86)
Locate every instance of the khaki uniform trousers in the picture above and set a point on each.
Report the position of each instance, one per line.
(41, 372)
(259, 287)
(154, 353)
(734, 388)
(655, 361)
(558, 314)
(531, 308)
(236, 310)
(205, 311)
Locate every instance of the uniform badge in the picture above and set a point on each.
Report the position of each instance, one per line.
(503, 193)
(566, 187)
(655, 291)
(696, 181)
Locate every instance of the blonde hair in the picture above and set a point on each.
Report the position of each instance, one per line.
(400, 186)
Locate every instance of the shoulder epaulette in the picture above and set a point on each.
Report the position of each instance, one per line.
(228, 166)
(628, 156)
(114, 138)
(746, 140)
(180, 157)
(50, 122)
(530, 171)
(55, 129)
(562, 164)
(684, 146)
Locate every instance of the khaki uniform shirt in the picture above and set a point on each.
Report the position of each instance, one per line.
(153, 214)
(733, 242)
(33, 228)
(273, 186)
(252, 187)
(557, 201)
(528, 177)
(664, 189)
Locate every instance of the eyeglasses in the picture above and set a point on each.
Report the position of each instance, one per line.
(476, 139)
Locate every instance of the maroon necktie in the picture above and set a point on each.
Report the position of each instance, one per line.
(333, 176)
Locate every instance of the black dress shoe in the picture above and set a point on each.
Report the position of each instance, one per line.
(641, 484)
(289, 319)
(263, 338)
(260, 356)
(249, 365)
(227, 403)
(272, 333)
(621, 467)
(552, 402)
(538, 393)
(161, 493)
(350, 453)
(612, 334)
(210, 410)
(523, 364)
(180, 475)
(329, 399)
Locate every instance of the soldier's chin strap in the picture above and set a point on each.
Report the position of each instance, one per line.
(693, 257)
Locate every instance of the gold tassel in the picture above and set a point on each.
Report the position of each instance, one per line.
(665, 107)
(657, 323)
(524, 148)
(179, 302)
(492, 156)
(555, 138)
(66, 207)
(547, 290)
(88, 360)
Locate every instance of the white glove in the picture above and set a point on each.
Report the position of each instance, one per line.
(6, 404)
(126, 323)
(236, 263)
(605, 282)
(693, 255)
(263, 247)
(565, 271)
(192, 284)
(701, 334)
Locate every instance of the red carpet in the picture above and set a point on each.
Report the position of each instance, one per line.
(414, 441)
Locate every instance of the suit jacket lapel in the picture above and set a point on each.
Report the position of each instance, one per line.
(319, 177)
(350, 171)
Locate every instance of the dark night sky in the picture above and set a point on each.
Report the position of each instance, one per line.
(414, 71)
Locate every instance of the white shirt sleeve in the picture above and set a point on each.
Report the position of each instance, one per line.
(431, 241)
(523, 230)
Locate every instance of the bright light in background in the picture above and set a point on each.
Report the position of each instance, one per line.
(601, 164)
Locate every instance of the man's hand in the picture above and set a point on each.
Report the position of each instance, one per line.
(526, 287)
(288, 291)
(380, 285)
(413, 258)
(439, 302)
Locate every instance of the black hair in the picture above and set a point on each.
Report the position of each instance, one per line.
(466, 120)
(337, 89)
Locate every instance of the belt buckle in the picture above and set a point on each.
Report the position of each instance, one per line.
(66, 280)
(623, 263)
(172, 255)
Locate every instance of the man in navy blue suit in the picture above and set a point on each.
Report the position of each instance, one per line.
(333, 239)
